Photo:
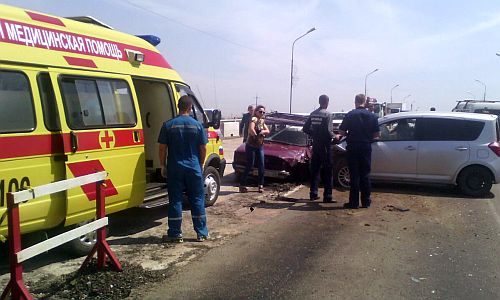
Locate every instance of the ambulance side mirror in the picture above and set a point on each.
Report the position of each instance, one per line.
(214, 116)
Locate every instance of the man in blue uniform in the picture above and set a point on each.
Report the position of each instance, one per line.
(184, 139)
(361, 128)
(320, 127)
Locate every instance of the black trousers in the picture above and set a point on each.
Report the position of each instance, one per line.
(321, 160)
(359, 157)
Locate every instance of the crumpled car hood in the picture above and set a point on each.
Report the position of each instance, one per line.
(290, 153)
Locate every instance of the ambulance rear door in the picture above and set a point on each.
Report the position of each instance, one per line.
(101, 131)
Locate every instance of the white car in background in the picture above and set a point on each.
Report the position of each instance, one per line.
(456, 148)
(337, 118)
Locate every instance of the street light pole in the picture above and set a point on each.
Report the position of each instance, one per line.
(392, 89)
(484, 94)
(473, 96)
(291, 68)
(366, 77)
(406, 97)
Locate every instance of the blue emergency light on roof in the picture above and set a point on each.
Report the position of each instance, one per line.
(152, 39)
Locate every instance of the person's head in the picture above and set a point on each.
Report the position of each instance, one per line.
(369, 104)
(250, 109)
(323, 101)
(185, 104)
(259, 111)
(360, 100)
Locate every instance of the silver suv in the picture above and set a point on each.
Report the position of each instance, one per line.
(433, 147)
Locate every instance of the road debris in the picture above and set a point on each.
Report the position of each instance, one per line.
(397, 208)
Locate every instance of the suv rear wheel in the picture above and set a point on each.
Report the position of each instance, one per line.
(341, 174)
(475, 181)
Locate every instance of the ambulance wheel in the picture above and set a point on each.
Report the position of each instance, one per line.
(211, 185)
(82, 245)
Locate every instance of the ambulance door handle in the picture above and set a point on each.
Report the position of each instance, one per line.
(74, 141)
(137, 136)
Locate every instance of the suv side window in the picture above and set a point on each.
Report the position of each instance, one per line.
(398, 130)
(443, 129)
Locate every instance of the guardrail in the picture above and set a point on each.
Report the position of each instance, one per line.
(17, 255)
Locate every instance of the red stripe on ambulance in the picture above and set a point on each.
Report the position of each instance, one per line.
(89, 167)
(30, 145)
(81, 62)
(44, 18)
(212, 134)
(29, 35)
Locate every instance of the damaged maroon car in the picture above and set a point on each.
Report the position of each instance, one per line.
(286, 149)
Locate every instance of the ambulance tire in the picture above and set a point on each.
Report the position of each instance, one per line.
(82, 245)
(211, 184)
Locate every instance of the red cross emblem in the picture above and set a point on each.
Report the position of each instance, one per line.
(106, 139)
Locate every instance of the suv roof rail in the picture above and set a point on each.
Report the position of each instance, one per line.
(470, 100)
(90, 20)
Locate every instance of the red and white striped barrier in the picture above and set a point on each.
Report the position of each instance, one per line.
(16, 286)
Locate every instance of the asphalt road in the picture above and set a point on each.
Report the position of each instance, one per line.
(413, 243)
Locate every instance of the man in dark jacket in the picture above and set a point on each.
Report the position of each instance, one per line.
(319, 126)
(361, 128)
(245, 121)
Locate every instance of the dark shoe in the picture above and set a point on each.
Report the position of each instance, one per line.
(172, 239)
(349, 206)
(243, 189)
(261, 189)
(202, 238)
(366, 204)
(329, 200)
(313, 197)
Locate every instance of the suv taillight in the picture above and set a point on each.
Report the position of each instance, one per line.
(495, 147)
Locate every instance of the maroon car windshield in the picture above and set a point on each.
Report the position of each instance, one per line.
(291, 135)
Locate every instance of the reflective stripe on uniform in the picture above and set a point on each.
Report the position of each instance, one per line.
(184, 126)
(175, 219)
(199, 217)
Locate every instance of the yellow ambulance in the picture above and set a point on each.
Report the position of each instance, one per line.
(78, 97)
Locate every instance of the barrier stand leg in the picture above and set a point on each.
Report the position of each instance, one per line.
(16, 286)
(102, 247)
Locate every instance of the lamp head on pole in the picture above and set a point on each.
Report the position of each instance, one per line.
(311, 30)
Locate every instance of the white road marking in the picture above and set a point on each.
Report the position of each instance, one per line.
(293, 190)
(495, 213)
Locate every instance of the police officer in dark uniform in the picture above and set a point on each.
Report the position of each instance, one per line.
(320, 127)
(361, 128)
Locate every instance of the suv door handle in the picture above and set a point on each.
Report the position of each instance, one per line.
(410, 148)
(461, 148)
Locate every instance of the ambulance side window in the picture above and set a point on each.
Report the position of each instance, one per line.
(97, 103)
(16, 104)
(197, 112)
(49, 106)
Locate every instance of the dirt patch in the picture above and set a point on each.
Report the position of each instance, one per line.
(135, 237)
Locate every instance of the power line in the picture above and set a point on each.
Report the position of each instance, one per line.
(192, 27)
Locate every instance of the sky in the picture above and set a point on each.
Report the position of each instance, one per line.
(236, 53)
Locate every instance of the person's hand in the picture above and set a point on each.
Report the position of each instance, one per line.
(164, 172)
